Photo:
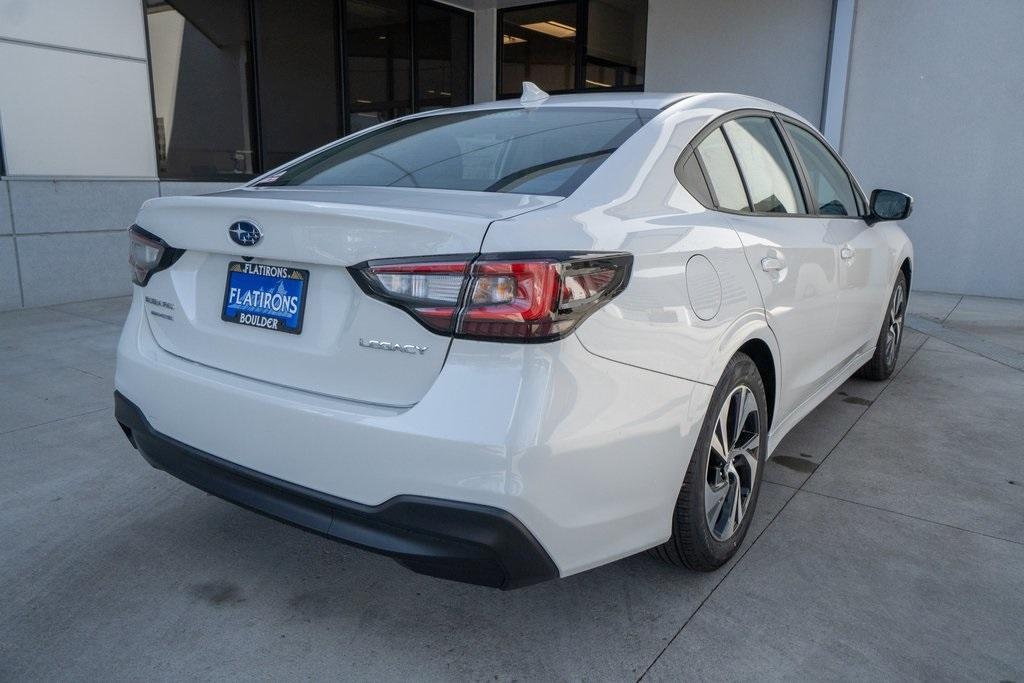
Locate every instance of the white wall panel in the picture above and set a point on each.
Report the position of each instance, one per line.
(932, 109)
(68, 113)
(776, 49)
(113, 26)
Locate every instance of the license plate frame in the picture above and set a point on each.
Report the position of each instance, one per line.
(264, 317)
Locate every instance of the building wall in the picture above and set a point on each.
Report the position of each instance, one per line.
(74, 89)
(776, 49)
(931, 85)
(76, 125)
(77, 134)
(934, 93)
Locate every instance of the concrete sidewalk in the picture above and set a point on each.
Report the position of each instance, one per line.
(888, 543)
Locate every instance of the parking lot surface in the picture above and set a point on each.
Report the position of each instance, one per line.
(888, 543)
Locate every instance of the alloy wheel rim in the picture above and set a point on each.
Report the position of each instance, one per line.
(732, 463)
(895, 331)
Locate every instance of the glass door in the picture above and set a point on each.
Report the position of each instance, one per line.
(377, 47)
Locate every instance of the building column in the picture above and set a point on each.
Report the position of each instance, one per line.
(836, 75)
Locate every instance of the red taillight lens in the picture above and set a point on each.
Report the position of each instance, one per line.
(525, 298)
(513, 300)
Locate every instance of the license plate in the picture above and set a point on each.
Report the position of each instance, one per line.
(265, 296)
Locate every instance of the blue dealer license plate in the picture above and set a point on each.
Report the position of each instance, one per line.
(266, 296)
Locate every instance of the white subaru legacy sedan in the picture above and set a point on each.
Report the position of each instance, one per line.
(513, 341)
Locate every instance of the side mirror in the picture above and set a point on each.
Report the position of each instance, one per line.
(889, 205)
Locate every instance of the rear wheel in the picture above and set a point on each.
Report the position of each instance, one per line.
(887, 349)
(719, 492)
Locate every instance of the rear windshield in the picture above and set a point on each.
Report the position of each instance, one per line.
(527, 151)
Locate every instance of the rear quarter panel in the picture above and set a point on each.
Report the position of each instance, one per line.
(691, 300)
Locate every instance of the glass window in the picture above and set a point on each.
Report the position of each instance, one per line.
(723, 177)
(297, 59)
(693, 180)
(770, 179)
(241, 86)
(616, 43)
(829, 182)
(542, 43)
(377, 44)
(527, 151)
(199, 60)
(538, 44)
(444, 49)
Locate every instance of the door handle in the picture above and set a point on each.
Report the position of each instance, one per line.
(770, 264)
(846, 253)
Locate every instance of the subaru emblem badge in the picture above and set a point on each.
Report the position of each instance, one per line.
(245, 233)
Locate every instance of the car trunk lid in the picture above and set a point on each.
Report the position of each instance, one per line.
(320, 231)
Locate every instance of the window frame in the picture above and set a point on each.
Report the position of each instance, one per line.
(582, 34)
(858, 192)
(777, 119)
(717, 123)
(253, 81)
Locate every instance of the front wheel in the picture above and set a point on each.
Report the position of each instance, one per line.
(887, 348)
(719, 492)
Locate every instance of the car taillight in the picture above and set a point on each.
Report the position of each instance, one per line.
(524, 298)
(148, 254)
(429, 290)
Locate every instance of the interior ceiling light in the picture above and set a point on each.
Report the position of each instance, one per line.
(598, 84)
(511, 40)
(552, 28)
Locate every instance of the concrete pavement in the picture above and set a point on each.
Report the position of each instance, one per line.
(888, 543)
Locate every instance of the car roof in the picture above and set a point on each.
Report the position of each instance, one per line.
(713, 103)
(631, 100)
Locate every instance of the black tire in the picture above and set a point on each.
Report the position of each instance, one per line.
(694, 543)
(883, 363)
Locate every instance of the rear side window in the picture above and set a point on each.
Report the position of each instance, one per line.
(693, 180)
(548, 151)
(723, 177)
(767, 170)
(830, 185)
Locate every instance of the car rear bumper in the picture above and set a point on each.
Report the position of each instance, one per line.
(448, 539)
(586, 453)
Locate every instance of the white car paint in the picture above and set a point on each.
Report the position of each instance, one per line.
(584, 440)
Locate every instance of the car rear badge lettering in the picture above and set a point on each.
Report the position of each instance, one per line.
(391, 346)
(159, 302)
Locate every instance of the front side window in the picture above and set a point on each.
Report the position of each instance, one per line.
(766, 168)
(526, 151)
(830, 185)
(723, 177)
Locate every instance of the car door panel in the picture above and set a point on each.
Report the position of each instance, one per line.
(790, 255)
(862, 286)
(800, 297)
